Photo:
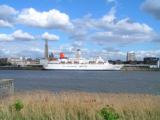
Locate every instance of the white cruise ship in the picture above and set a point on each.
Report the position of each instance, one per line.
(80, 64)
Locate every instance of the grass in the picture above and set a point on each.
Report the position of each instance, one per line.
(44, 105)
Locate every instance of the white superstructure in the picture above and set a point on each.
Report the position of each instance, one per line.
(81, 64)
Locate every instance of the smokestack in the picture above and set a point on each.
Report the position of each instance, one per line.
(79, 53)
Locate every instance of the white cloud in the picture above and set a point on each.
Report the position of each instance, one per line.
(45, 20)
(4, 37)
(5, 19)
(6, 10)
(152, 7)
(78, 44)
(111, 49)
(48, 36)
(52, 19)
(109, 38)
(111, 31)
(23, 36)
(4, 24)
(25, 48)
(31, 49)
(17, 36)
(110, 16)
(112, 1)
(78, 35)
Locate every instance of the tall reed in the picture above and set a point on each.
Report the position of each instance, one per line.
(44, 105)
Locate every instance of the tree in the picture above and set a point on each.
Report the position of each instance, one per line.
(9, 64)
(3, 63)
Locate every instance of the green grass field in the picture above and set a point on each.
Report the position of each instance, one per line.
(43, 105)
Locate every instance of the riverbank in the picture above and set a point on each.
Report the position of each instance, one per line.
(140, 69)
(21, 68)
(40, 68)
(81, 105)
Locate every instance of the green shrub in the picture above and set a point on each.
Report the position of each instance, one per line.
(1, 113)
(109, 114)
(18, 105)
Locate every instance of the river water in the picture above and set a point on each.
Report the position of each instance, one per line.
(87, 81)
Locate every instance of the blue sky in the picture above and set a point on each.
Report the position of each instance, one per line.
(109, 28)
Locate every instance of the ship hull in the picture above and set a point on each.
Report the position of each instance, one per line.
(77, 70)
(81, 67)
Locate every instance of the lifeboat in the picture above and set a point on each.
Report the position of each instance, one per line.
(100, 61)
(62, 61)
(76, 61)
(53, 59)
(69, 61)
(92, 61)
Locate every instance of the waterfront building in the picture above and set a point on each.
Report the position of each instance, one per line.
(37, 61)
(43, 61)
(115, 62)
(28, 59)
(21, 61)
(2, 59)
(32, 62)
(15, 61)
(51, 55)
(152, 61)
(111, 62)
(133, 62)
(131, 57)
(46, 50)
(118, 62)
(136, 66)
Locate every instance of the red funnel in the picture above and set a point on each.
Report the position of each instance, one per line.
(62, 55)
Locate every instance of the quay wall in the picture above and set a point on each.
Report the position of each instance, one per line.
(140, 69)
(6, 86)
(21, 68)
(40, 68)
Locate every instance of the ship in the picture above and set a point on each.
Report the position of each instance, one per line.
(80, 64)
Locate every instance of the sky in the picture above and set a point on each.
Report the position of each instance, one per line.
(106, 28)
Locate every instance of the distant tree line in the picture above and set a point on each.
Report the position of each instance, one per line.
(5, 64)
(129, 62)
(34, 65)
